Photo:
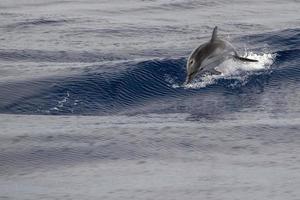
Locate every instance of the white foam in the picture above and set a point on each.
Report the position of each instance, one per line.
(232, 69)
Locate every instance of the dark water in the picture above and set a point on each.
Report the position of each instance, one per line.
(92, 96)
(135, 85)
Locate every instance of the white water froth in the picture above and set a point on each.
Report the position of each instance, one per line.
(232, 69)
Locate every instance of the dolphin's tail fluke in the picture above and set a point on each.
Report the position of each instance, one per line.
(244, 59)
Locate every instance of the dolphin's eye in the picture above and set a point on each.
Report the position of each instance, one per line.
(191, 62)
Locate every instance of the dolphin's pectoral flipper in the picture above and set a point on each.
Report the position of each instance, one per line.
(244, 59)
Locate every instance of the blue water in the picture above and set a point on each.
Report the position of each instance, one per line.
(88, 76)
(128, 86)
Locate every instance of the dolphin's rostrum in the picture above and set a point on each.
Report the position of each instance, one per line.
(209, 55)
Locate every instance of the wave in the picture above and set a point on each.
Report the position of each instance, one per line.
(154, 86)
(37, 22)
(31, 55)
(136, 89)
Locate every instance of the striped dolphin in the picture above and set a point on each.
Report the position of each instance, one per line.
(209, 55)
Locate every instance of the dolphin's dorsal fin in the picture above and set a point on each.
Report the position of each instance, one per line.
(214, 34)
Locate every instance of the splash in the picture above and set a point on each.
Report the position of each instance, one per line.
(232, 69)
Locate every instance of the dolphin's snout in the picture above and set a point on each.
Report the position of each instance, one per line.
(188, 80)
(190, 77)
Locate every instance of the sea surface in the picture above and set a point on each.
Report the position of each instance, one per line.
(93, 105)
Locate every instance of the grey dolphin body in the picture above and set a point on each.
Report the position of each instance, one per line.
(209, 55)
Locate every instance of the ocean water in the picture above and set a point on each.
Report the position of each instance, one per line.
(93, 105)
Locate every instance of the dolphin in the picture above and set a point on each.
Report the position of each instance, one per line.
(209, 55)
